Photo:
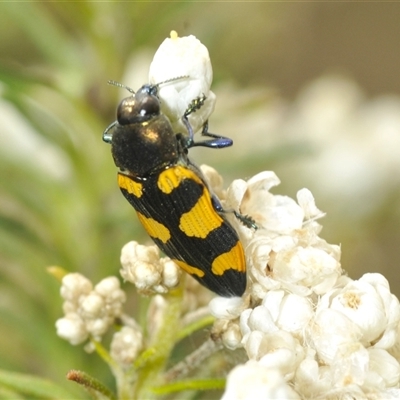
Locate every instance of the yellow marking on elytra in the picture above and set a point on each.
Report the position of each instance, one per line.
(171, 178)
(154, 228)
(201, 219)
(233, 259)
(132, 187)
(189, 269)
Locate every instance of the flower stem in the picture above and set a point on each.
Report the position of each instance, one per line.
(164, 340)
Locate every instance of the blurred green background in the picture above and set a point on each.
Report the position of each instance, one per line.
(309, 90)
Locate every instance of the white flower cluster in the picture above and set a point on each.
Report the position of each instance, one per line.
(142, 266)
(185, 58)
(89, 311)
(308, 330)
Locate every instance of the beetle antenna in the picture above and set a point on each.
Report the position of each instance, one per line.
(176, 78)
(115, 83)
(157, 85)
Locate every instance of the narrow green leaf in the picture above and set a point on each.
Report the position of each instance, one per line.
(33, 386)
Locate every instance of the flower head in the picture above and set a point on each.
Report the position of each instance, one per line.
(89, 311)
(185, 58)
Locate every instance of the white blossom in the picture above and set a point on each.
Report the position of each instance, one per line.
(186, 58)
(369, 305)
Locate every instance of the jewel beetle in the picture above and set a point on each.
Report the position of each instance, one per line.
(172, 200)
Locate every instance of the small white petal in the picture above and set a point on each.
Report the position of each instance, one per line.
(263, 181)
(235, 193)
(252, 343)
(272, 301)
(244, 321)
(226, 307)
(307, 203)
(260, 319)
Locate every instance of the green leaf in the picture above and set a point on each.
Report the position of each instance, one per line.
(32, 386)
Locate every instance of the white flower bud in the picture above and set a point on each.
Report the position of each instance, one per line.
(92, 305)
(126, 345)
(72, 328)
(108, 286)
(134, 251)
(261, 320)
(170, 273)
(183, 57)
(232, 337)
(146, 275)
(74, 285)
(98, 327)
